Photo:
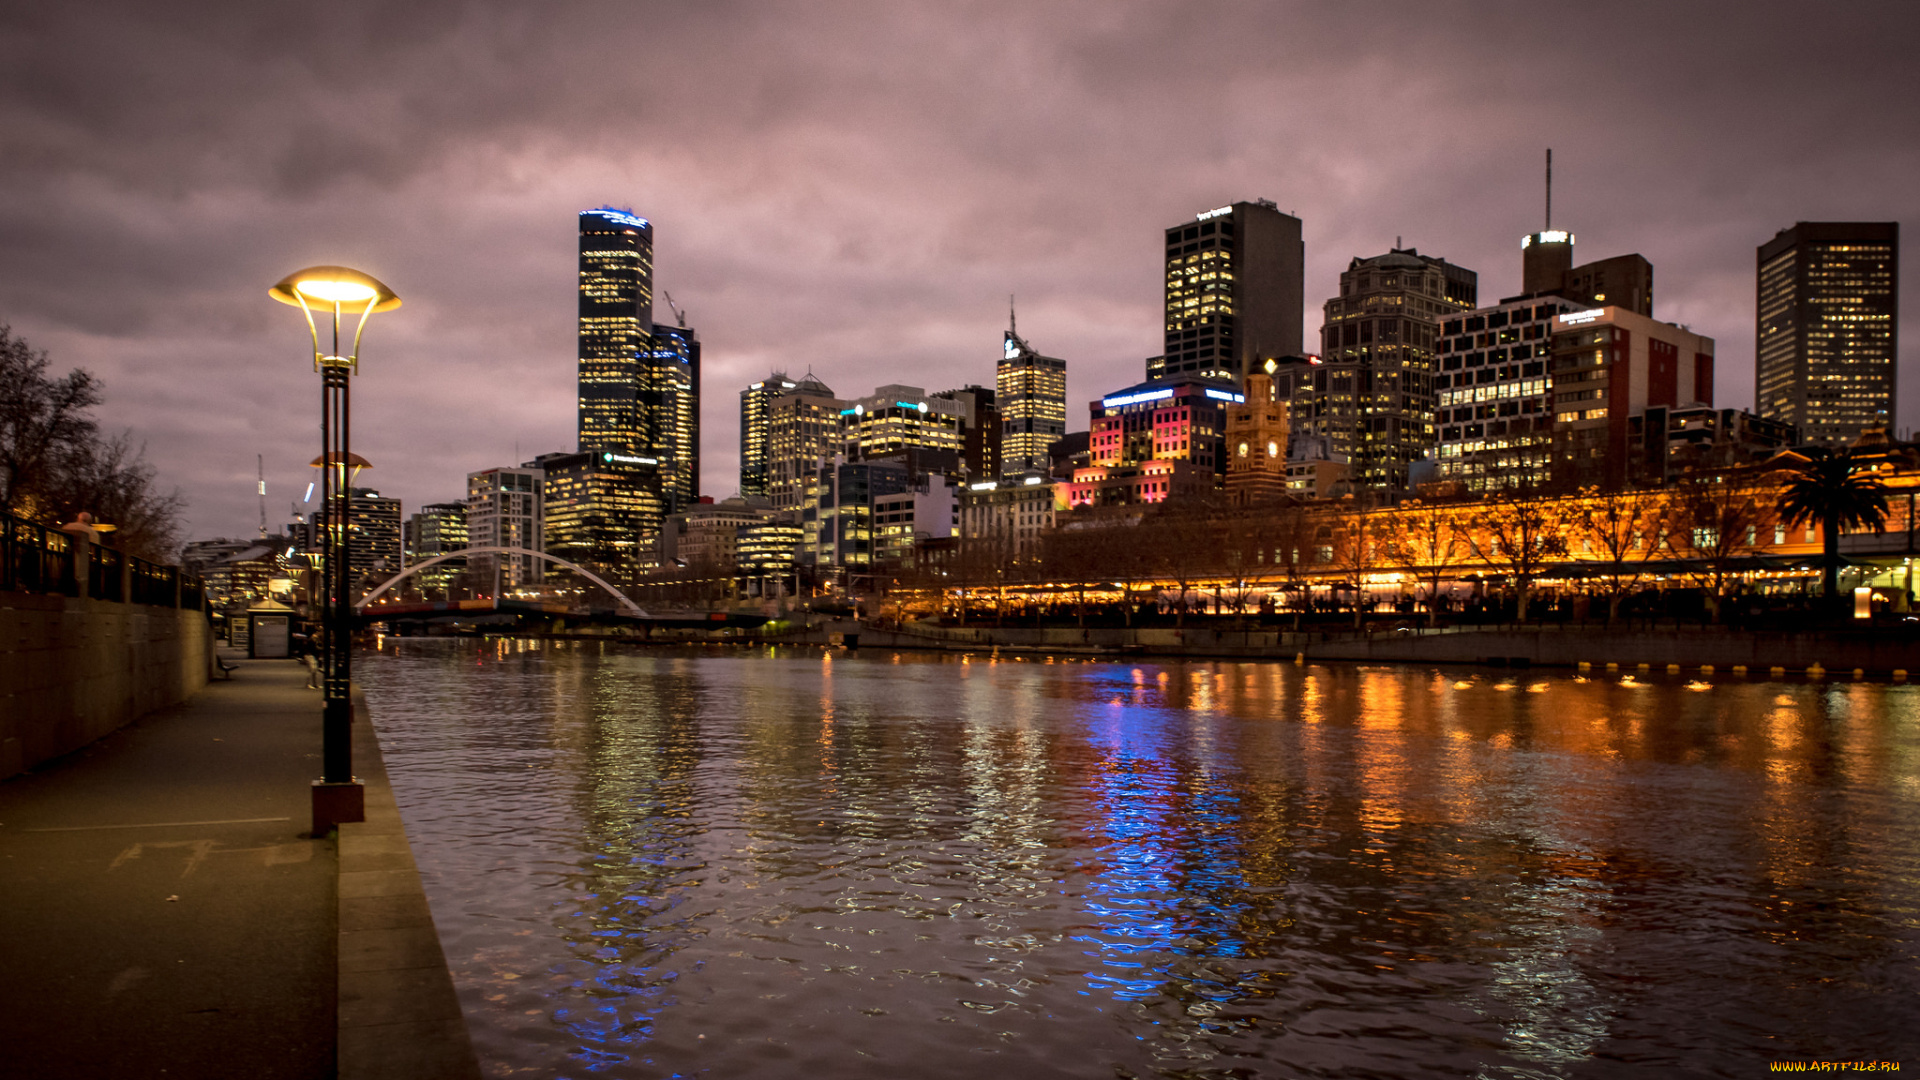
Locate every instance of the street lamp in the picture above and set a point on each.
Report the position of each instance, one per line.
(332, 290)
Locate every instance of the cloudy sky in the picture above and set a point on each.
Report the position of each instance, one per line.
(855, 188)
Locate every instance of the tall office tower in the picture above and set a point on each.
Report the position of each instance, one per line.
(982, 430)
(504, 510)
(1622, 281)
(669, 410)
(1235, 292)
(375, 524)
(616, 327)
(604, 510)
(1033, 404)
(1827, 340)
(803, 432)
(437, 529)
(756, 470)
(1379, 338)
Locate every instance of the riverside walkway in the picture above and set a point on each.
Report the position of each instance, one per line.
(164, 911)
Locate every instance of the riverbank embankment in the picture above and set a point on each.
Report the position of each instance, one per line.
(169, 913)
(1874, 651)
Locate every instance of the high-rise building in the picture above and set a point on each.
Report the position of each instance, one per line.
(756, 465)
(1541, 390)
(504, 510)
(604, 511)
(616, 327)
(374, 522)
(437, 529)
(895, 418)
(1169, 420)
(1033, 404)
(1826, 340)
(1235, 292)
(669, 409)
(1378, 340)
(803, 433)
(981, 429)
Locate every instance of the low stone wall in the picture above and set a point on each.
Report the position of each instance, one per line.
(73, 670)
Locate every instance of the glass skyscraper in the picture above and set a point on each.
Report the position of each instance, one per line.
(669, 412)
(616, 327)
(1031, 393)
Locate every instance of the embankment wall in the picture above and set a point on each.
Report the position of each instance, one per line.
(74, 669)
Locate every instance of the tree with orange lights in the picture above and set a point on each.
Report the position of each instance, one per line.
(1519, 530)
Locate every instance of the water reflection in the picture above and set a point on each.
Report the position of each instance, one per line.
(777, 863)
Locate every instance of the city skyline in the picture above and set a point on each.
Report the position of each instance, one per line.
(854, 192)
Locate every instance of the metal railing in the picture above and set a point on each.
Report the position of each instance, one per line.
(34, 558)
(37, 559)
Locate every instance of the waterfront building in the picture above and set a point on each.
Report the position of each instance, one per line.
(1826, 337)
(1011, 512)
(437, 529)
(1173, 419)
(616, 327)
(765, 553)
(838, 518)
(1375, 383)
(803, 430)
(1033, 405)
(896, 417)
(928, 509)
(756, 469)
(981, 429)
(504, 510)
(1258, 436)
(669, 410)
(604, 510)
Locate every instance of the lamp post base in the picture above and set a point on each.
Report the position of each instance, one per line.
(337, 803)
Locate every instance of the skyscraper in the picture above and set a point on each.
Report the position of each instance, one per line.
(616, 326)
(1826, 340)
(756, 466)
(669, 412)
(1378, 340)
(1235, 292)
(1032, 398)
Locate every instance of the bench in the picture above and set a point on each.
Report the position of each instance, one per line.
(225, 669)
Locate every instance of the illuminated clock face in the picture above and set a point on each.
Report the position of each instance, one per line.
(1243, 449)
(1273, 449)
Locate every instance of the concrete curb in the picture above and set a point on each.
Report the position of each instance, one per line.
(399, 1017)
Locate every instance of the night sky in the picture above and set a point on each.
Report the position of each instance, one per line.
(856, 188)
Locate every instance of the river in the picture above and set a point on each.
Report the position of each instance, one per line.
(777, 863)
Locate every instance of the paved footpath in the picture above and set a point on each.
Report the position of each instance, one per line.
(162, 910)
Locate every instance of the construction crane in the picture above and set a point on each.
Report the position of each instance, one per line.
(678, 314)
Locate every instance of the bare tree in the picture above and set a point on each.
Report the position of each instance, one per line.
(1621, 528)
(1428, 542)
(1518, 530)
(1357, 552)
(1717, 523)
(43, 421)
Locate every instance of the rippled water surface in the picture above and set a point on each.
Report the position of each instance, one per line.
(773, 864)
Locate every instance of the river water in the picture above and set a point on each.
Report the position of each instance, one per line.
(784, 863)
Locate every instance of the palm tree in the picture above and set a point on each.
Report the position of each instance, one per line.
(1837, 491)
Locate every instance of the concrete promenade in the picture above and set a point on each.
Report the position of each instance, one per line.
(163, 911)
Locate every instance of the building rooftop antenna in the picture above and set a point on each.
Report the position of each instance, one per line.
(1013, 324)
(1549, 224)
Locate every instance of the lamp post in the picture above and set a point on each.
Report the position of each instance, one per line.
(332, 290)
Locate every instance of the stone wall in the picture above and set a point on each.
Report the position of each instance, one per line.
(73, 670)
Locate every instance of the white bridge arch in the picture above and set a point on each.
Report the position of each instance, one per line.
(625, 601)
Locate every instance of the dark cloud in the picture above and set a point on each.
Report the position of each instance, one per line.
(852, 187)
